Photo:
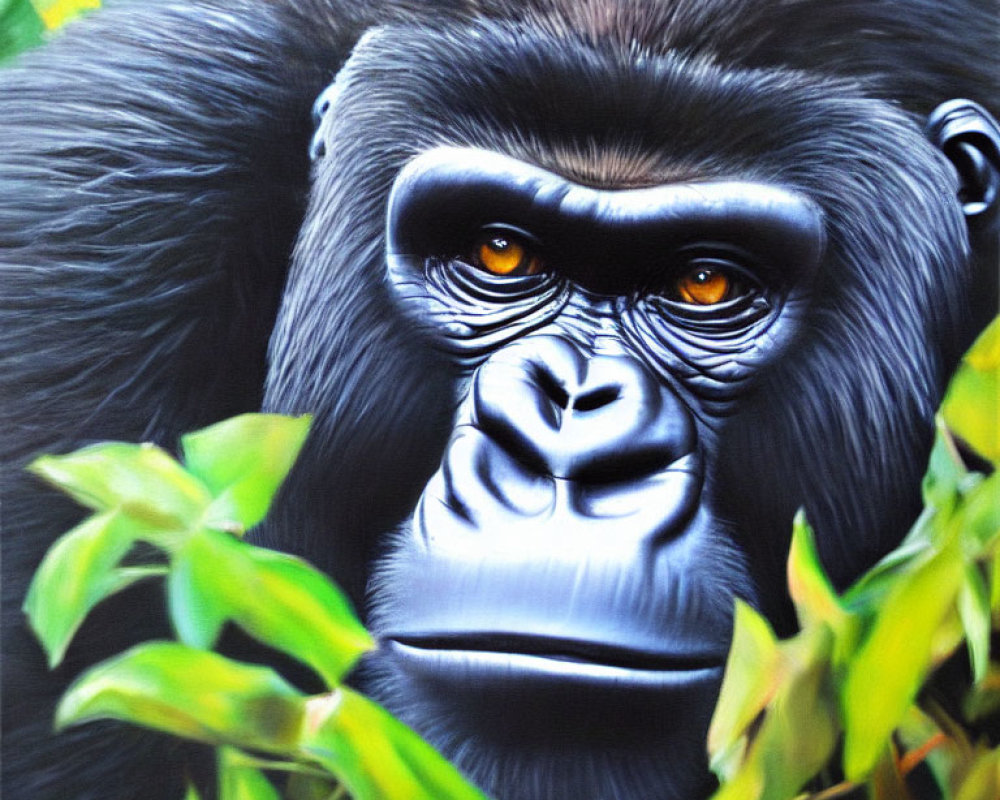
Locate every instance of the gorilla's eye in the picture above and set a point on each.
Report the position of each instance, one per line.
(704, 286)
(709, 282)
(505, 253)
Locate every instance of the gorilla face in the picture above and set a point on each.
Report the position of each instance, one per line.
(643, 321)
(557, 558)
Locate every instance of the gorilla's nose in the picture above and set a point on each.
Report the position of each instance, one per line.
(575, 415)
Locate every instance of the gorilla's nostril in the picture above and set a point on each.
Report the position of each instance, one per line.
(598, 398)
(550, 386)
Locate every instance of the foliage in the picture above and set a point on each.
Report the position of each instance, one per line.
(971, 407)
(852, 678)
(841, 697)
(193, 515)
(24, 23)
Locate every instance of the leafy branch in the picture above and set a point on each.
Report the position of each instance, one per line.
(193, 515)
(852, 677)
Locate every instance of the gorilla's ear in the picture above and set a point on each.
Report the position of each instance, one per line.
(970, 138)
(966, 133)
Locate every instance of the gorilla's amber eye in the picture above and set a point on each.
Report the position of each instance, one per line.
(704, 286)
(503, 253)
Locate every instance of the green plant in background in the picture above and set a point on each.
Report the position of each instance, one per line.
(846, 687)
(193, 515)
(24, 23)
(854, 673)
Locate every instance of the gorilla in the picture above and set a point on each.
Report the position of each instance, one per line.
(587, 298)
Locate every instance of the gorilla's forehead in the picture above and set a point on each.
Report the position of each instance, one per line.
(604, 115)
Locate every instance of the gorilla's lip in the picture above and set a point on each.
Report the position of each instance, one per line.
(502, 647)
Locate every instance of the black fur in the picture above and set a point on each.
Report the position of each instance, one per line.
(154, 174)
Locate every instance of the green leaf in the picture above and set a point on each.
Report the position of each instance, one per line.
(958, 501)
(746, 782)
(20, 27)
(311, 787)
(978, 516)
(276, 598)
(871, 589)
(945, 471)
(375, 756)
(189, 693)
(894, 660)
(810, 589)
(198, 605)
(995, 586)
(243, 461)
(141, 480)
(78, 571)
(972, 405)
(191, 792)
(799, 730)
(974, 608)
(982, 781)
(238, 780)
(752, 677)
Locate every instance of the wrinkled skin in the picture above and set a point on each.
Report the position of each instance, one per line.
(586, 298)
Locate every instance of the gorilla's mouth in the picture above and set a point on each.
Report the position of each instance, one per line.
(567, 658)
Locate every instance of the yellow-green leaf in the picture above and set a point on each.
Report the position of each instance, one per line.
(189, 693)
(995, 587)
(972, 405)
(811, 591)
(871, 589)
(276, 598)
(243, 461)
(945, 471)
(799, 729)
(746, 782)
(79, 571)
(239, 780)
(974, 608)
(56, 13)
(982, 781)
(752, 676)
(142, 480)
(199, 606)
(311, 787)
(375, 756)
(892, 663)
(977, 518)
